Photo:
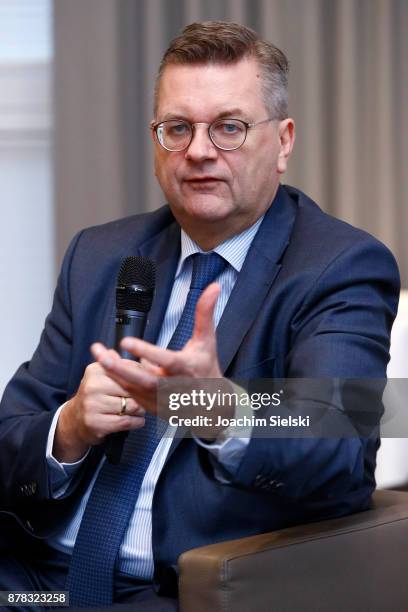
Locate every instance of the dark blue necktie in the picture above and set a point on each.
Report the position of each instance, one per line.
(206, 268)
(116, 489)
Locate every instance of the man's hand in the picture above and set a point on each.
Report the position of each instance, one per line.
(93, 413)
(197, 360)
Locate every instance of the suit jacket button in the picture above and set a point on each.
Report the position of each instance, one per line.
(32, 488)
(259, 482)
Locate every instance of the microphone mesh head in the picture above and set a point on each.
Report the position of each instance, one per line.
(135, 284)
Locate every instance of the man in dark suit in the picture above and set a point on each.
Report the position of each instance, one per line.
(298, 295)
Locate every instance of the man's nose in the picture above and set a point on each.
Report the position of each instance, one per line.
(201, 147)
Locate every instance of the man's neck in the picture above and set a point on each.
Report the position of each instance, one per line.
(208, 237)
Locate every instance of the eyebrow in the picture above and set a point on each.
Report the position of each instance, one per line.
(229, 113)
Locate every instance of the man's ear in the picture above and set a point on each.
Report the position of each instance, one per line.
(151, 124)
(287, 135)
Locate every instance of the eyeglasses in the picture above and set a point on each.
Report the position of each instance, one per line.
(225, 134)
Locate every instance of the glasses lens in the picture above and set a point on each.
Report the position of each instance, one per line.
(228, 134)
(174, 135)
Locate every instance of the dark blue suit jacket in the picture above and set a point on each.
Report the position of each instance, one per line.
(315, 298)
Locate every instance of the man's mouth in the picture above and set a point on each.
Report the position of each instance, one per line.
(203, 179)
(203, 183)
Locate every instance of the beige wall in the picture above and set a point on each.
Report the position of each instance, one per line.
(88, 154)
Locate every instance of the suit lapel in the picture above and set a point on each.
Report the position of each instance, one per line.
(164, 250)
(256, 277)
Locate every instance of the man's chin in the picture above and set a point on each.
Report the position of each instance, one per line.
(207, 207)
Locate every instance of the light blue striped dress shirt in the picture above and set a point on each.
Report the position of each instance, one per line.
(136, 555)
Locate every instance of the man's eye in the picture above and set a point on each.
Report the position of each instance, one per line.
(177, 130)
(229, 128)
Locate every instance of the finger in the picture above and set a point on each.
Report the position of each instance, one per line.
(101, 387)
(99, 351)
(129, 375)
(110, 423)
(136, 422)
(132, 408)
(151, 367)
(154, 354)
(204, 314)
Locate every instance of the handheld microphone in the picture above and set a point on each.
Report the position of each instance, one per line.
(134, 296)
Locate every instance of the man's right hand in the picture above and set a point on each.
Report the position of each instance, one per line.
(92, 414)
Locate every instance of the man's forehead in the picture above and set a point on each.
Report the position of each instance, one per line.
(247, 68)
(226, 86)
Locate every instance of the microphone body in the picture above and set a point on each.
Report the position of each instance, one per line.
(134, 296)
(129, 323)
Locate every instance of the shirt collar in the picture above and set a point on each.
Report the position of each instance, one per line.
(234, 250)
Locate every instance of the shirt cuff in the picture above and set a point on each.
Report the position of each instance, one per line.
(60, 474)
(231, 443)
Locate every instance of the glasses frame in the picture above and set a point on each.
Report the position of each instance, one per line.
(154, 127)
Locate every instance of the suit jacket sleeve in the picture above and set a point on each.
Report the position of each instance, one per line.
(342, 330)
(30, 400)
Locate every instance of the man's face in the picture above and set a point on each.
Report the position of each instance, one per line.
(213, 192)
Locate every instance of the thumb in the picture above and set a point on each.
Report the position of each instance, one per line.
(99, 352)
(204, 314)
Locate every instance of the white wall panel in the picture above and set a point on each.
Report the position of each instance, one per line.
(26, 193)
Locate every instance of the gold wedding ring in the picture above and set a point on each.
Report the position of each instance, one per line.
(123, 405)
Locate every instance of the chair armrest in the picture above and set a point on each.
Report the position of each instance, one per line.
(353, 563)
